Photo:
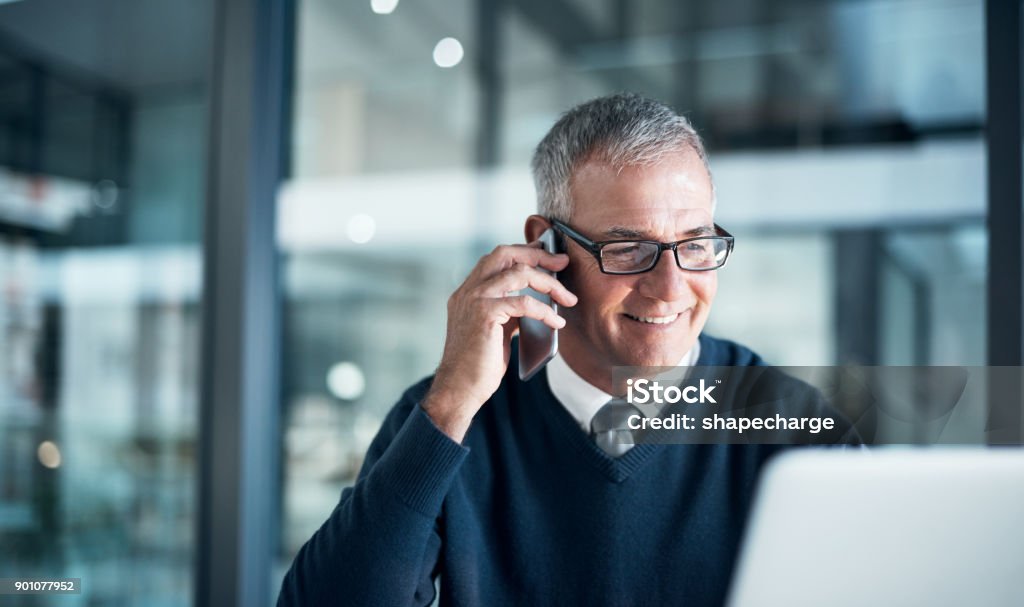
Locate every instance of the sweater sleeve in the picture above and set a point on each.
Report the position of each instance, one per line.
(380, 545)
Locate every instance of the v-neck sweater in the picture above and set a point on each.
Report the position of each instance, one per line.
(529, 511)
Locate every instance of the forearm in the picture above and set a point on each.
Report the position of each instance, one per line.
(371, 549)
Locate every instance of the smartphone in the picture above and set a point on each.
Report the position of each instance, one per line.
(538, 343)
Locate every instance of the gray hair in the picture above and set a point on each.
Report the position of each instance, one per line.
(623, 130)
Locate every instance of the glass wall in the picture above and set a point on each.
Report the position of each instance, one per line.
(103, 109)
(845, 141)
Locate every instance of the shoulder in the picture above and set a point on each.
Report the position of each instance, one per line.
(394, 420)
(717, 352)
(412, 396)
(416, 392)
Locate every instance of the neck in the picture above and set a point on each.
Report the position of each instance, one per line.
(599, 373)
(595, 374)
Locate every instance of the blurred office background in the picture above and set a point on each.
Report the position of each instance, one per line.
(847, 140)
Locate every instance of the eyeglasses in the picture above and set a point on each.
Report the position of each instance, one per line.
(698, 254)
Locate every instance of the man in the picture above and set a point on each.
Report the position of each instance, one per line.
(496, 486)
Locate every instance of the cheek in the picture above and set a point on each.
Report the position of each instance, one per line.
(585, 280)
(704, 285)
(601, 295)
(610, 291)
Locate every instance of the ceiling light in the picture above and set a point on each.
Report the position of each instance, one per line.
(346, 381)
(48, 454)
(383, 7)
(361, 228)
(448, 52)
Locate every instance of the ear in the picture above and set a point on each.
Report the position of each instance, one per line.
(535, 226)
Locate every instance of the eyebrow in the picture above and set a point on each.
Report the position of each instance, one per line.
(624, 232)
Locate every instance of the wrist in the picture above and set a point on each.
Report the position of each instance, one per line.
(451, 414)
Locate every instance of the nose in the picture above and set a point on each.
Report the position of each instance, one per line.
(666, 282)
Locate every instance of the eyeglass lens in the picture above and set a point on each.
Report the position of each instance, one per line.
(625, 257)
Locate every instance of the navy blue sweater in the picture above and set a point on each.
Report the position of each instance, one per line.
(529, 511)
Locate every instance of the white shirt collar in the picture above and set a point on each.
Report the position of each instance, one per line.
(581, 398)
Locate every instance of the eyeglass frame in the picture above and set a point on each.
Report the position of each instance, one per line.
(594, 247)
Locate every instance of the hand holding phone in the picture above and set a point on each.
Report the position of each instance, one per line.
(483, 315)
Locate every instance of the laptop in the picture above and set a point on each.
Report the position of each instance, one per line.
(891, 526)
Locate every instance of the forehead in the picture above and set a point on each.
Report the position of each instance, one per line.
(671, 196)
(654, 223)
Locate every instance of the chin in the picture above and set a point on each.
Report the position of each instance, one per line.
(653, 357)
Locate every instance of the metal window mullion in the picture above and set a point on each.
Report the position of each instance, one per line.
(238, 462)
(1003, 136)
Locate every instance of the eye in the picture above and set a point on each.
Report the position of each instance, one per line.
(622, 250)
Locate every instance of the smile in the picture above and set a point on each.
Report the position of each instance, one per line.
(655, 320)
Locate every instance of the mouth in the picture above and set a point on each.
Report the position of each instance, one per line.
(654, 320)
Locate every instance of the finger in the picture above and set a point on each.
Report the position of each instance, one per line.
(506, 256)
(555, 262)
(524, 306)
(520, 277)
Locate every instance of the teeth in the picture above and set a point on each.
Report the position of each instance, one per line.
(655, 320)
